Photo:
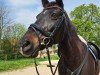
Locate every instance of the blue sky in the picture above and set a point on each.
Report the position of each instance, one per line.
(24, 11)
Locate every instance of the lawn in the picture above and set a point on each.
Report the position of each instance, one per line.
(21, 63)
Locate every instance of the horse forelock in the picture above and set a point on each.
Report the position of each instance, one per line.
(51, 4)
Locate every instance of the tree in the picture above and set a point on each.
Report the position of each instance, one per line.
(97, 35)
(4, 19)
(87, 20)
(11, 37)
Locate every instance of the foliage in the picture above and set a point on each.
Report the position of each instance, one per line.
(10, 40)
(5, 19)
(87, 20)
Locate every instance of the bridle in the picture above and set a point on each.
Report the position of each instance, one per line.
(49, 37)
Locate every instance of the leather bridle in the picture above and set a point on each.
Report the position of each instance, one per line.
(49, 37)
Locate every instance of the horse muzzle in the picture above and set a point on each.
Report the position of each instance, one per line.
(27, 49)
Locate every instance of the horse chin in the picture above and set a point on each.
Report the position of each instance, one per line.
(28, 51)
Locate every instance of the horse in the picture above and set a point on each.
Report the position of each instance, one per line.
(53, 26)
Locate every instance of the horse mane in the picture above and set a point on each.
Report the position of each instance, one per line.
(71, 28)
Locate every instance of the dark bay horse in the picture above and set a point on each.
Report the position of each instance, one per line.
(53, 26)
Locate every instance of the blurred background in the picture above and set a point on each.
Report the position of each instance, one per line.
(17, 15)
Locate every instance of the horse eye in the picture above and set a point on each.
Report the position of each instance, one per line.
(54, 16)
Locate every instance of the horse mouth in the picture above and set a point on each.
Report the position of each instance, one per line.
(28, 50)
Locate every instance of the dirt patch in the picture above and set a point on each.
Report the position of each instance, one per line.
(30, 71)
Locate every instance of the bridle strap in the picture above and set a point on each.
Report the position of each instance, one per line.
(49, 59)
(38, 29)
(38, 39)
(36, 66)
(79, 69)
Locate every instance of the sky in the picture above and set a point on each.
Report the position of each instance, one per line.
(25, 11)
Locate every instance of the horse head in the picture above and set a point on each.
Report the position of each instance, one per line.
(47, 29)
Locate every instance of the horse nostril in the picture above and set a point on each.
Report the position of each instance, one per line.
(26, 43)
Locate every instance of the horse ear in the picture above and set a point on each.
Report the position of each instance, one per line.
(60, 3)
(44, 2)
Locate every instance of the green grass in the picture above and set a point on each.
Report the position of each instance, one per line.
(53, 57)
(21, 63)
(15, 64)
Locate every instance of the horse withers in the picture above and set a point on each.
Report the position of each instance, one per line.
(53, 26)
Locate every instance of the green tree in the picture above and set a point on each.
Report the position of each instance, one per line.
(10, 41)
(5, 19)
(87, 20)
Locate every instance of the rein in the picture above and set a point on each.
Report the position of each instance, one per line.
(49, 59)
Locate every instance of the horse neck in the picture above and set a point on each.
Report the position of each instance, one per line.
(72, 49)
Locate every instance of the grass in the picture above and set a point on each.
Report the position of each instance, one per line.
(21, 63)
(15, 64)
(53, 57)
